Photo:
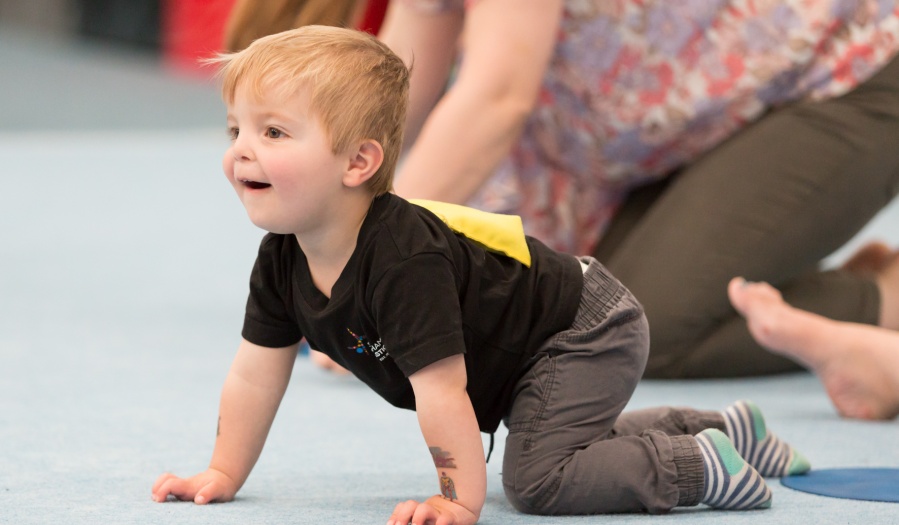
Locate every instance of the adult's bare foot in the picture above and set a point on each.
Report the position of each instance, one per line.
(878, 261)
(870, 259)
(857, 364)
(887, 279)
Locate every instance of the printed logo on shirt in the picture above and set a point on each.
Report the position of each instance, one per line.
(363, 346)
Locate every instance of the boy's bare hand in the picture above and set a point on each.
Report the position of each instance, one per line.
(437, 510)
(206, 487)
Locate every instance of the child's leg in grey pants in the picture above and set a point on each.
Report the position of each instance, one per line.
(569, 449)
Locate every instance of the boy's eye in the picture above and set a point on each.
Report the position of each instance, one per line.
(273, 133)
(233, 132)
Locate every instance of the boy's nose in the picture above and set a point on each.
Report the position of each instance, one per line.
(241, 150)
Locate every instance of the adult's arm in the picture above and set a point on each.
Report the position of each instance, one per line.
(428, 43)
(507, 46)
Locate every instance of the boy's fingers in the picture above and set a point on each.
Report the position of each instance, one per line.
(424, 514)
(162, 487)
(160, 480)
(176, 487)
(205, 495)
(402, 513)
(210, 492)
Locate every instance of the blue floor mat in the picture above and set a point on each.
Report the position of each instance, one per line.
(869, 484)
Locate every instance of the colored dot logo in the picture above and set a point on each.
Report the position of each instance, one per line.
(359, 347)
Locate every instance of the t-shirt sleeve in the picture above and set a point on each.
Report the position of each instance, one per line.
(269, 319)
(417, 309)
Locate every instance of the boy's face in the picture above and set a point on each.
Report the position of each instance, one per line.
(281, 164)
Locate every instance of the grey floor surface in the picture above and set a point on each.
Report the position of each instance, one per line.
(125, 258)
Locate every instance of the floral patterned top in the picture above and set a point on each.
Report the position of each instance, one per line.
(637, 88)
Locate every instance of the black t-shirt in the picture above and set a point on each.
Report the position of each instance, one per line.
(412, 293)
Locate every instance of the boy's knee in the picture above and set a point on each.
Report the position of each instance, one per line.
(532, 493)
(527, 502)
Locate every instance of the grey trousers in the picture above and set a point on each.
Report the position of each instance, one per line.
(570, 450)
(768, 205)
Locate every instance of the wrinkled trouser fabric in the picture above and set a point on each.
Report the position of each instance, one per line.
(570, 450)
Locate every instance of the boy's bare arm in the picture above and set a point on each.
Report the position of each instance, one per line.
(250, 398)
(451, 431)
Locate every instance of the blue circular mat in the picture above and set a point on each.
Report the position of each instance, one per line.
(870, 484)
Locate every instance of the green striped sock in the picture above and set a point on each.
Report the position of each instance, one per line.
(770, 455)
(730, 482)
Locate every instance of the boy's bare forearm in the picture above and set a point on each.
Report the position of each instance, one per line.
(245, 417)
(454, 442)
(250, 398)
(450, 429)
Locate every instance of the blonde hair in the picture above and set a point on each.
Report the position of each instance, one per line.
(252, 19)
(359, 88)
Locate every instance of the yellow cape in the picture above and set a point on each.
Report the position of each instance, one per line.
(499, 233)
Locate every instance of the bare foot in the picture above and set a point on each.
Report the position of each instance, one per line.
(326, 362)
(870, 259)
(878, 261)
(888, 282)
(857, 364)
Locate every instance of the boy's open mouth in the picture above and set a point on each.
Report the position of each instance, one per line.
(253, 185)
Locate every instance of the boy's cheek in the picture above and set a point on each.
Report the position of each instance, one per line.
(228, 165)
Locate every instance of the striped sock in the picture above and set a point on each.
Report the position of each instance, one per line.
(730, 482)
(771, 456)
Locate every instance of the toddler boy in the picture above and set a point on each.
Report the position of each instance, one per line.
(442, 309)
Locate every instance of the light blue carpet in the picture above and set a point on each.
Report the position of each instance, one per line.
(125, 258)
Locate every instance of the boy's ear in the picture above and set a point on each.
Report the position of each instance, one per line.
(364, 162)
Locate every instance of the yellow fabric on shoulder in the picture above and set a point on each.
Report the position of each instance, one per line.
(499, 233)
